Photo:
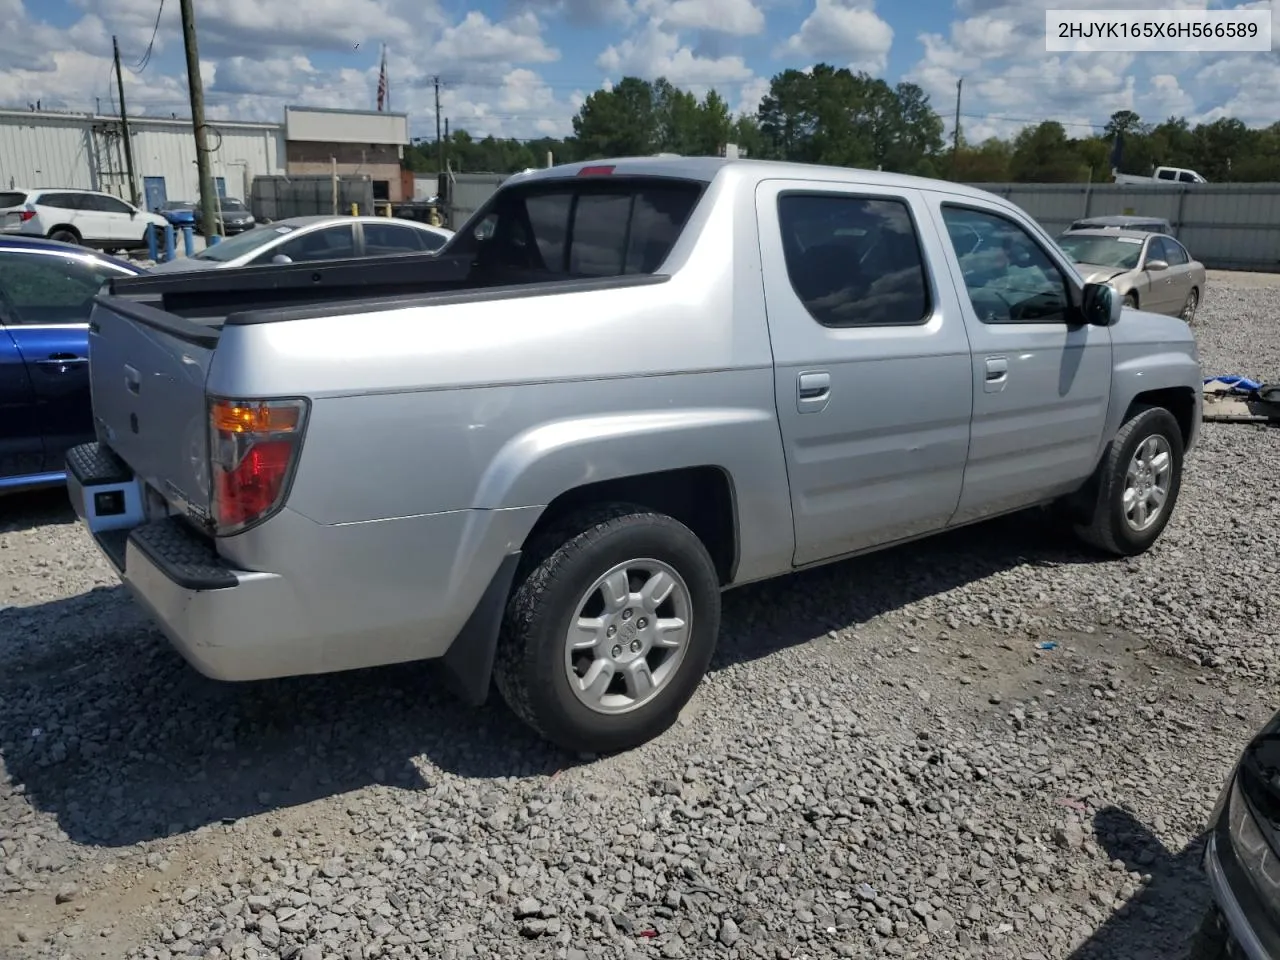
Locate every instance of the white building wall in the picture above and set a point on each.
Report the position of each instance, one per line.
(41, 151)
(238, 154)
(62, 150)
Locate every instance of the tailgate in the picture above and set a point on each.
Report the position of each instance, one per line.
(147, 371)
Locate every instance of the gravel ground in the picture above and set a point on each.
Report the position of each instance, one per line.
(987, 745)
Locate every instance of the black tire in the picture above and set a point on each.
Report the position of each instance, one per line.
(1107, 528)
(558, 570)
(1131, 300)
(1208, 942)
(64, 235)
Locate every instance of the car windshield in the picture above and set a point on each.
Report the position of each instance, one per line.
(233, 247)
(178, 205)
(229, 204)
(1118, 252)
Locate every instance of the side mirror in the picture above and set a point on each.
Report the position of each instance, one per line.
(281, 258)
(133, 213)
(1101, 305)
(1155, 266)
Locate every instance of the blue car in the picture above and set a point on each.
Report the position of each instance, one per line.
(46, 294)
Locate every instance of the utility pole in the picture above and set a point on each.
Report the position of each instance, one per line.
(124, 128)
(955, 144)
(208, 216)
(439, 139)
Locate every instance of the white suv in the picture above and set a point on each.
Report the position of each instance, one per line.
(86, 217)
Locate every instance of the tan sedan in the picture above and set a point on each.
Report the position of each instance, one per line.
(1150, 271)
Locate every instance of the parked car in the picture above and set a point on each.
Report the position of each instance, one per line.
(1241, 854)
(624, 386)
(46, 292)
(1122, 222)
(84, 217)
(312, 239)
(233, 217)
(1149, 270)
(180, 213)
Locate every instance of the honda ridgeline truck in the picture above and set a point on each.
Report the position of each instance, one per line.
(541, 455)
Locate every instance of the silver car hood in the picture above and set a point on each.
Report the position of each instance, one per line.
(1096, 273)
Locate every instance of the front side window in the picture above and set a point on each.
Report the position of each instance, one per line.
(1175, 253)
(40, 288)
(1010, 278)
(105, 204)
(854, 261)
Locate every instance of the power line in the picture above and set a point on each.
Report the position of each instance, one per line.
(146, 57)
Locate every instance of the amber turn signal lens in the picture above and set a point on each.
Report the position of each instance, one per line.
(255, 418)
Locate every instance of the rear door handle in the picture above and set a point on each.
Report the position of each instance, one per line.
(64, 358)
(997, 374)
(813, 390)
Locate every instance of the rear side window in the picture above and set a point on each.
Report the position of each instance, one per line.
(578, 229)
(12, 199)
(41, 288)
(59, 201)
(855, 261)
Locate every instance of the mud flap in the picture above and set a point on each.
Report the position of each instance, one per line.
(468, 663)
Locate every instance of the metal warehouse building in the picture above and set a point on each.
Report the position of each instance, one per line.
(51, 149)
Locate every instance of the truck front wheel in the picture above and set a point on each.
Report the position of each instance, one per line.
(610, 628)
(1137, 484)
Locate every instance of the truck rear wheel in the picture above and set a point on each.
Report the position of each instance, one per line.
(609, 629)
(1138, 484)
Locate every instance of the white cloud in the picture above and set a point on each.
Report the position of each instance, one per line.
(845, 31)
(739, 18)
(998, 47)
(654, 52)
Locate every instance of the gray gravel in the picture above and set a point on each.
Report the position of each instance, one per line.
(988, 745)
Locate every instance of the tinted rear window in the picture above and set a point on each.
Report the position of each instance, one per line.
(12, 199)
(600, 228)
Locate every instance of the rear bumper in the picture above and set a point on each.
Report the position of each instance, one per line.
(229, 624)
(351, 595)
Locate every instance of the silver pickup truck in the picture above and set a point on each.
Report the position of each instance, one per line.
(540, 456)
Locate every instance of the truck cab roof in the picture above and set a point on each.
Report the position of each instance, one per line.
(707, 168)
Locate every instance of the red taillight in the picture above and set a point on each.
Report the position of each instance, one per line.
(26, 215)
(600, 171)
(253, 447)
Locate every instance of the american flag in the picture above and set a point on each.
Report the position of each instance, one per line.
(384, 93)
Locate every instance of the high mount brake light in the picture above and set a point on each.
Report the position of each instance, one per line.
(253, 449)
(598, 171)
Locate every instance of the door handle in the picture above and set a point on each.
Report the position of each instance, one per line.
(814, 386)
(63, 362)
(997, 374)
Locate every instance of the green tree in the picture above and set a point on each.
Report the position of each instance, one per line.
(618, 122)
(1042, 154)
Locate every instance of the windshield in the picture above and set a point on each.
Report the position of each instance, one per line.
(233, 247)
(229, 204)
(178, 205)
(1118, 252)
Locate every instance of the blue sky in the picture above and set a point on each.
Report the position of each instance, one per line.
(522, 67)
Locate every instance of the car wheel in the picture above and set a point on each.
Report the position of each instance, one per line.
(64, 235)
(610, 628)
(1189, 308)
(1137, 484)
(1131, 300)
(1209, 941)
